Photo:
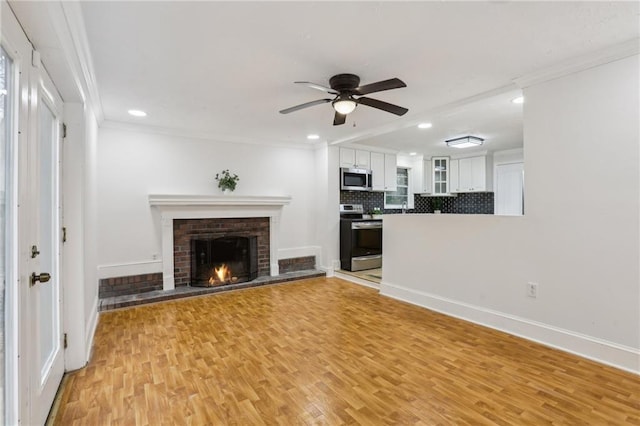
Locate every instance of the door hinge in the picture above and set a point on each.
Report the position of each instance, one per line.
(64, 341)
(64, 131)
(64, 234)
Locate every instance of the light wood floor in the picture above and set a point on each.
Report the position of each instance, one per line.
(324, 351)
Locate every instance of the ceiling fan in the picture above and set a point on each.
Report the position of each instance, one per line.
(345, 88)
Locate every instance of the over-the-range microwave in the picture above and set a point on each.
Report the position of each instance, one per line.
(355, 179)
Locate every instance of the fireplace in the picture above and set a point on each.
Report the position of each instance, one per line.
(224, 260)
(172, 210)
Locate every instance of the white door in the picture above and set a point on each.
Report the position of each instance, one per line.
(34, 352)
(509, 189)
(45, 297)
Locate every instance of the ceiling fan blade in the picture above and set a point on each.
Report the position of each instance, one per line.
(339, 119)
(317, 87)
(393, 83)
(385, 106)
(305, 105)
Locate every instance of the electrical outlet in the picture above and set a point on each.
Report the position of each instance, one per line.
(532, 290)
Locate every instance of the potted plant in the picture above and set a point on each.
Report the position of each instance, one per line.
(436, 203)
(376, 213)
(226, 181)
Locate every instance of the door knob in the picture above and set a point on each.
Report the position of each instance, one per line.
(43, 278)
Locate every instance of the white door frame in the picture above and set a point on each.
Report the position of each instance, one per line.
(29, 82)
(18, 48)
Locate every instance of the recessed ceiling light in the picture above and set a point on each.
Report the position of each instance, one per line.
(137, 113)
(518, 100)
(313, 137)
(425, 125)
(413, 153)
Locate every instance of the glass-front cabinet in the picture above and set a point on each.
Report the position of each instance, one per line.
(440, 175)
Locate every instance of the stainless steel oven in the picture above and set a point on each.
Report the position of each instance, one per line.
(360, 240)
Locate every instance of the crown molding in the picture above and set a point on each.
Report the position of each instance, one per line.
(194, 134)
(580, 63)
(77, 44)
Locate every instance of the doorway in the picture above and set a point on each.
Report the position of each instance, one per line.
(509, 191)
(32, 342)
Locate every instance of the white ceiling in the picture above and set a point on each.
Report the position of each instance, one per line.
(225, 69)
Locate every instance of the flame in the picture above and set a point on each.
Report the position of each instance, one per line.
(221, 275)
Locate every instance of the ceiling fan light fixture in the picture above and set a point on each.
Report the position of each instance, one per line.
(344, 105)
(464, 142)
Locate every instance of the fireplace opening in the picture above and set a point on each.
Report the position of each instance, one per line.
(224, 260)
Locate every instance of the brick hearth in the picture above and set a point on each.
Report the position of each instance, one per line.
(186, 229)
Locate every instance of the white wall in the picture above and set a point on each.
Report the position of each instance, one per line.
(91, 228)
(135, 163)
(79, 251)
(73, 192)
(579, 239)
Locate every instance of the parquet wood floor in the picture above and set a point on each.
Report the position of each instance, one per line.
(325, 351)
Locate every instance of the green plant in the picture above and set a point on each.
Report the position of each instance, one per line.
(226, 180)
(436, 203)
(376, 210)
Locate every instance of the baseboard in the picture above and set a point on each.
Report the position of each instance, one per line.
(92, 324)
(330, 272)
(602, 351)
(356, 280)
(129, 268)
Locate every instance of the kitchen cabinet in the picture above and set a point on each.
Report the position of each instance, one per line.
(454, 176)
(384, 172)
(355, 158)
(427, 177)
(474, 174)
(440, 175)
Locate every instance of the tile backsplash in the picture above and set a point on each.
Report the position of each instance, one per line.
(468, 203)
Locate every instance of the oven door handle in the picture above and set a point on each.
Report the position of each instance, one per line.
(366, 225)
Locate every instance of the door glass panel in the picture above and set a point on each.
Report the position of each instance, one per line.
(5, 68)
(48, 292)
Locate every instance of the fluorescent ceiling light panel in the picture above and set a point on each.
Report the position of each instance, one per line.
(465, 142)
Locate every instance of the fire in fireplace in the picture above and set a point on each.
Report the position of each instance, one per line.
(224, 260)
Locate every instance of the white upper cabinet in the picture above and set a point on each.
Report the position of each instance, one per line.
(355, 158)
(384, 172)
(454, 176)
(390, 172)
(440, 175)
(377, 171)
(427, 177)
(474, 174)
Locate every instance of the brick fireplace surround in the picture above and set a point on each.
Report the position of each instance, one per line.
(182, 210)
(184, 230)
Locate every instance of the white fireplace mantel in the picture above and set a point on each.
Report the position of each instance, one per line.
(181, 206)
